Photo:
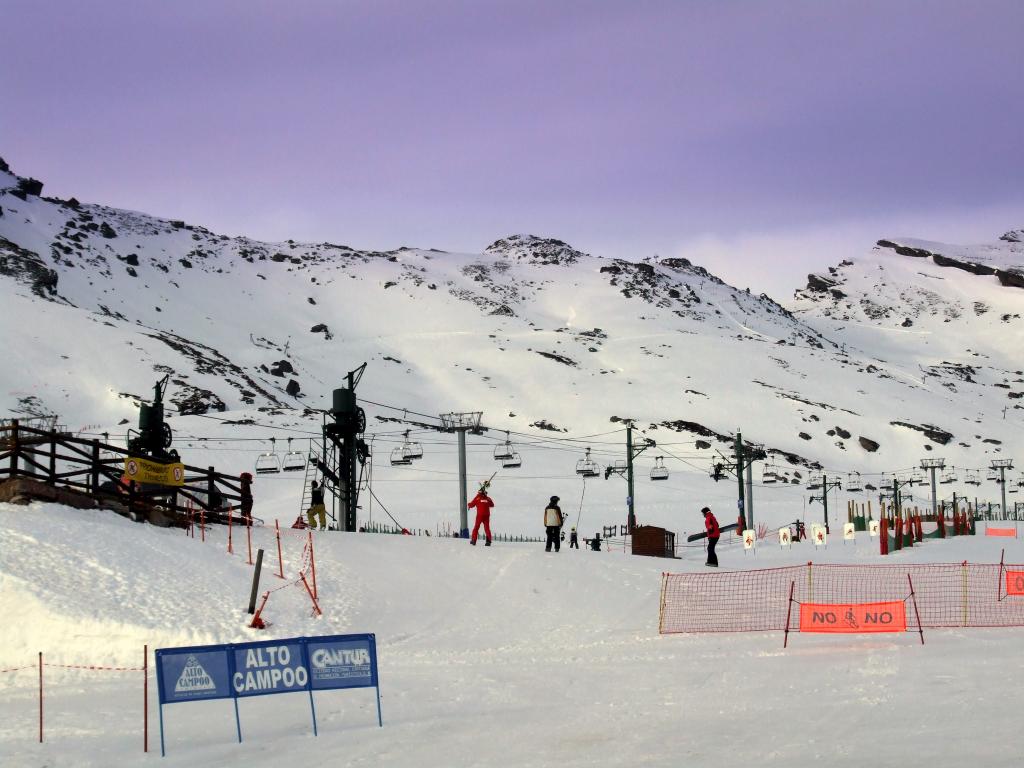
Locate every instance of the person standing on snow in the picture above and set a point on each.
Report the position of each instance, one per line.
(574, 543)
(553, 523)
(483, 504)
(316, 507)
(711, 524)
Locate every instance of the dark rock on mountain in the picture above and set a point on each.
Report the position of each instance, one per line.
(868, 444)
(293, 388)
(280, 368)
(107, 231)
(935, 434)
(30, 186)
(27, 268)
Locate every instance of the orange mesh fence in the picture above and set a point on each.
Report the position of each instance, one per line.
(948, 595)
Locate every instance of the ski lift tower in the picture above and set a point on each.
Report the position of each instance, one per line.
(1001, 465)
(461, 423)
(632, 451)
(932, 465)
(347, 449)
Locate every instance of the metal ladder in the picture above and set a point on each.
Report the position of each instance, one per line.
(317, 455)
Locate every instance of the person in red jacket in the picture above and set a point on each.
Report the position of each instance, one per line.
(711, 524)
(483, 504)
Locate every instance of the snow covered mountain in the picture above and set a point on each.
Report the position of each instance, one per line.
(911, 351)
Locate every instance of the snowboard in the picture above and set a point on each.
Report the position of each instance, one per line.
(704, 534)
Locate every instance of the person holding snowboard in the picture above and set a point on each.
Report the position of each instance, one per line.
(711, 524)
(316, 507)
(574, 543)
(553, 523)
(483, 505)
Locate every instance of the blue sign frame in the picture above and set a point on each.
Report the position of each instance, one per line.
(287, 665)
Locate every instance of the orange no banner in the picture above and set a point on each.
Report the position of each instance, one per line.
(1015, 582)
(1011, 532)
(853, 618)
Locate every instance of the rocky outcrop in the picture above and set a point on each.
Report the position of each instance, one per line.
(535, 250)
(27, 268)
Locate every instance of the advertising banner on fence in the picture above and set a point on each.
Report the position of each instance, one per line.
(849, 532)
(1011, 532)
(853, 618)
(872, 527)
(1015, 582)
(818, 535)
(785, 536)
(153, 472)
(291, 665)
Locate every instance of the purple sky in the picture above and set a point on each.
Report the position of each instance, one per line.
(763, 139)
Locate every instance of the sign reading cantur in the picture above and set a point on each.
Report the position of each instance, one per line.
(153, 472)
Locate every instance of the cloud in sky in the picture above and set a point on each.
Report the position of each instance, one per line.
(623, 127)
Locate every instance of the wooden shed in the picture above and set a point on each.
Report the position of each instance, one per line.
(652, 541)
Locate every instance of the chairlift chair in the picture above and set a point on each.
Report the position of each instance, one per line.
(993, 475)
(917, 478)
(293, 461)
(814, 483)
(398, 457)
(587, 467)
(411, 450)
(504, 451)
(854, 483)
(948, 477)
(770, 474)
(659, 471)
(512, 462)
(268, 463)
(972, 477)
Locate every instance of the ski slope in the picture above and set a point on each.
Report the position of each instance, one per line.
(501, 656)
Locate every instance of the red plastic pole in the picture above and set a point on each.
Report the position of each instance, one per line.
(312, 564)
(202, 524)
(231, 548)
(145, 698)
(40, 697)
(280, 561)
(256, 622)
(311, 597)
(248, 537)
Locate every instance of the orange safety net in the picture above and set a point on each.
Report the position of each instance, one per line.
(948, 595)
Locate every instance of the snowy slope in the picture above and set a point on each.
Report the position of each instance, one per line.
(550, 343)
(503, 656)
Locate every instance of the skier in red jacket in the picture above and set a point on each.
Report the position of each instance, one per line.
(483, 504)
(711, 524)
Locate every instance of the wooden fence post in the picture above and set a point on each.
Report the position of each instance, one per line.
(94, 476)
(14, 448)
(53, 457)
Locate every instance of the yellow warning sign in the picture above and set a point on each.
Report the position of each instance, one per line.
(153, 472)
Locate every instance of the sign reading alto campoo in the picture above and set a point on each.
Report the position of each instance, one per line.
(291, 665)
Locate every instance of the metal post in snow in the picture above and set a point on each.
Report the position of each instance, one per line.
(256, 581)
(248, 537)
(280, 560)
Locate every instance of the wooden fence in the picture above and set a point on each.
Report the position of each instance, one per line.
(96, 469)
